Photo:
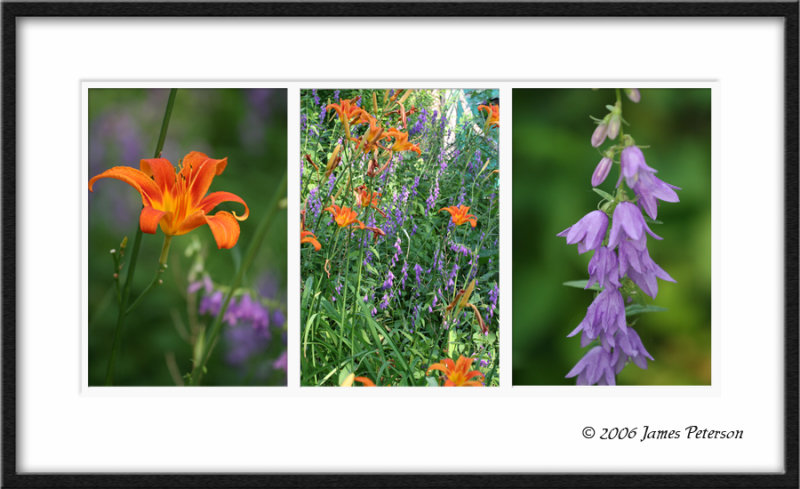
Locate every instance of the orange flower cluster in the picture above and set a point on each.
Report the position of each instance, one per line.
(177, 202)
(459, 215)
(457, 373)
(350, 115)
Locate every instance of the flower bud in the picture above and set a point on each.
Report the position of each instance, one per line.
(601, 172)
(633, 95)
(599, 135)
(613, 126)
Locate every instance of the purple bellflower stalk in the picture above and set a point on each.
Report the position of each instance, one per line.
(620, 257)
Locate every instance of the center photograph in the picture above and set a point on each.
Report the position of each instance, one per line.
(399, 237)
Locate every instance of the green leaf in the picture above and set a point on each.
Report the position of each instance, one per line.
(581, 284)
(432, 382)
(641, 308)
(307, 291)
(604, 194)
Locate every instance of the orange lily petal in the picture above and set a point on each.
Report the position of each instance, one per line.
(137, 179)
(308, 237)
(161, 170)
(225, 229)
(200, 174)
(367, 382)
(149, 219)
(215, 198)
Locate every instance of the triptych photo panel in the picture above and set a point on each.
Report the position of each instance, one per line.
(190, 237)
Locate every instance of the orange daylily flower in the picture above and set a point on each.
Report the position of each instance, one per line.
(347, 110)
(178, 202)
(401, 141)
(372, 136)
(348, 381)
(364, 199)
(308, 237)
(457, 372)
(460, 215)
(492, 115)
(344, 216)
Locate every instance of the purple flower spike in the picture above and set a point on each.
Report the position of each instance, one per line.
(605, 315)
(627, 223)
(588, 232)
(596, 367)
(599, 135)
(603, 268)
(601, 172)
(632, 348)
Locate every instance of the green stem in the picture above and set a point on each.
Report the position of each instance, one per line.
(126, 290)
(162, 266)
(207, 346)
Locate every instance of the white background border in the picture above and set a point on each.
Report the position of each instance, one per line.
(534, 429)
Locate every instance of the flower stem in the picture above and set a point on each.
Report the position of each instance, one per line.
(162, 266)
(207, 346)
(126, 290)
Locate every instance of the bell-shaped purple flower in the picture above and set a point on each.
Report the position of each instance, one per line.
(635, 261)
(596, 367)
(606, 314)
(641, 178)
(627, 222)
(588, 232)
(632, 349)
(601, 171)
(599, 134)
(603, 268)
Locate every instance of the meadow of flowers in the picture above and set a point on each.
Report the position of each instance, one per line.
(399, 236)
(187, 249)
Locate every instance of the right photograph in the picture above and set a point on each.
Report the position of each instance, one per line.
(611, 202)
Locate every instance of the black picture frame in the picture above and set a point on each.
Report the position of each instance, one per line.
(788, 11)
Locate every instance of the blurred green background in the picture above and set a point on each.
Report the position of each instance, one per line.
(553, 165)
(249, 127)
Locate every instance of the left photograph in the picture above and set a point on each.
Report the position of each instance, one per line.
(186, 237)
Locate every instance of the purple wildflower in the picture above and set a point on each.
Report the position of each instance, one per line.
(281, 362)
(632, 349)
(588, 232)
(596, 367)
(605, 315)
(627, 223)
(635, 261)
(641, 178)
(603, 269)
(388, 282)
